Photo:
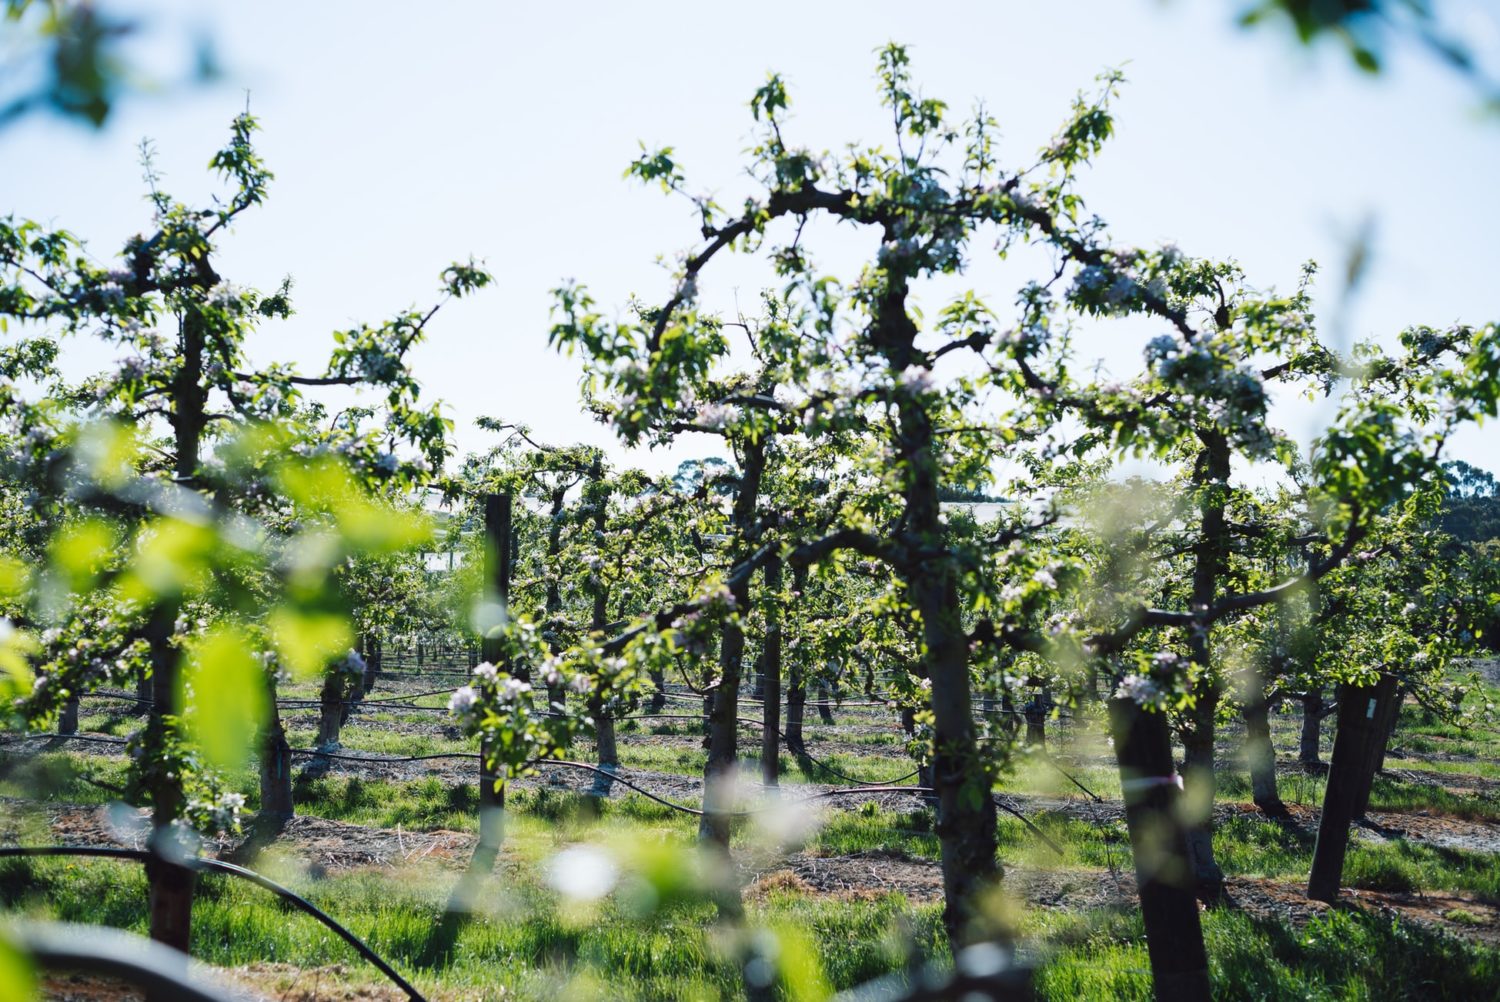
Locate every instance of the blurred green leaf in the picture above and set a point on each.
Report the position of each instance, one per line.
(17, 977)
(308, 641)
(228, 701)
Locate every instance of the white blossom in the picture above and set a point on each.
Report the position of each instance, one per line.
(485, 671)
(512, 689)
(1139, 690)
(917, 379)
(1089, 278)
(463, 701)
(714, 415)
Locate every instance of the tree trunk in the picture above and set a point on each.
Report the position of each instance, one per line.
(1380, 736)
(966, 808)
(1200, 785)
(169, 886)
(1163, 871)
(275, 764)
(658, 700)
(1036, 719)
(1260, 753)
(333, 707)
(723, 732)
(557, 694)
(1358, 710)
(1312, 724)
(796, 707)
(1210, 563)
(67, 720)
(144, 691)
(770, 681)
(796, 686)
(597, 498)
(374, 656)
(825, 708)
(1008, 712)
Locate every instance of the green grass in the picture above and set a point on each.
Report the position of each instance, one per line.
(1340, 956)
(530, 948)
(527, 947)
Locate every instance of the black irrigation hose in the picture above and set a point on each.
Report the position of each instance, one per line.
(748, 721)
(217, 865)
(1027, 822)
(316, 753)
(125, 696)
(923, 790)
(1071, 778)
(864, 788)
(295, 702)
(64, 737)
(162, 972)
(310, 702)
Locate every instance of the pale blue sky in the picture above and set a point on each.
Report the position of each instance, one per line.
(406, 136)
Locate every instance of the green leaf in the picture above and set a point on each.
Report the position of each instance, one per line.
(308, 641)
(17, 976)
(224, 692)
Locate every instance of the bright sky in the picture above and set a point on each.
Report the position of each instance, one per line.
(407, 136)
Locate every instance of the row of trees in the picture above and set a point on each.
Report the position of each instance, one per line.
(848, 415)
(205, 523)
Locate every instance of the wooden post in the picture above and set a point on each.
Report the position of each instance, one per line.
(497, 563)
(1163, 873)
(770, 680)
(1359, 711)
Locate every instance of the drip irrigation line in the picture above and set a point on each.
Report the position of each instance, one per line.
(392, 707)
(299, 703)
(65, 737)
(124, 696)
(1071, 778)
(220, 866)
(396, 672)
(751, 722)
(1004, 806)
(160, 971)
(387, 702)
(318, 753)
(614, 776)
(890, 704)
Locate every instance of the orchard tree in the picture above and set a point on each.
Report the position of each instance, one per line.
(219, 439)
(863, 359)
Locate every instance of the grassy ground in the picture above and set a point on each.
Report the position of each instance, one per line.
(654, 938)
